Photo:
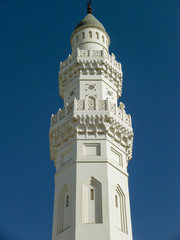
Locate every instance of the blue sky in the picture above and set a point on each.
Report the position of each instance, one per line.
(34, 38)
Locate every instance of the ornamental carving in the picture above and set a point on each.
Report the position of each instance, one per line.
(83, 125)
(86, 62)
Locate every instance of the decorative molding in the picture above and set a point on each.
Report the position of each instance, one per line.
(90, 62)
(92, 104)
(87, 125)
(92, 207)
(120, 209)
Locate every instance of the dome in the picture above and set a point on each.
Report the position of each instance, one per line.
(89, 33)
(90, 21)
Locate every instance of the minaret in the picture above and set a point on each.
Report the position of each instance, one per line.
(91, 142)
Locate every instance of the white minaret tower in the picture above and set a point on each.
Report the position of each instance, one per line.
(91, 142)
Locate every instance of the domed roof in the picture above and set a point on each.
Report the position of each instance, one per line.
(90, 21)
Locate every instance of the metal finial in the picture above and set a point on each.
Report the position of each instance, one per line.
(89, 8)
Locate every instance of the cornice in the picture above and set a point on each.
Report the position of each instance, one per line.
(90, 62)
(87, 123)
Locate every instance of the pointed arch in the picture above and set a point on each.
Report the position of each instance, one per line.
(91, 103)
(91, 201)
(120, 209)
(64, 209)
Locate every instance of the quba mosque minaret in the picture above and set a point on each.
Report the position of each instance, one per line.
(91, 141)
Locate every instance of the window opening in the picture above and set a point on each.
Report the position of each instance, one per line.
(83, 35)
(90, 34)
(92, 194)
(116, 200)
(67, 201)
(97, 35)
(77, 38)
(103, 38)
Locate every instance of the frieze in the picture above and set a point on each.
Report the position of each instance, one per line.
(83, 125)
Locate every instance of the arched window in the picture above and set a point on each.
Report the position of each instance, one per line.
(64, 210)
(67, 200)
(92, 201)
(120, 209)
(77, 38)
(103, 38)
(97, 35)
(83, 35)
(90, 34)
(92, 193)
(91, 103)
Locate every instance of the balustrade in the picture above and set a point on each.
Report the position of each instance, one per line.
(91, 105)
(103, 54)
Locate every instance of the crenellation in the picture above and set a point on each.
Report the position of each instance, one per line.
(88, 105)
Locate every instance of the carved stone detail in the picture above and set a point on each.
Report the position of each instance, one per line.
(90, 87)
(87, 62)
(87, 125)
(92, 105)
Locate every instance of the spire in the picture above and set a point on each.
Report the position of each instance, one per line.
(89, 8)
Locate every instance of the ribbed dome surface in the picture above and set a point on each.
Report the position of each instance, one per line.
(90, 21)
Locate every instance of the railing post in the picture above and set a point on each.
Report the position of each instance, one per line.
(96, 107)
(107, 104)
(86, 104)
(75, 104)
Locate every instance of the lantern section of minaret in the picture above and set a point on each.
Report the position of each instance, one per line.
(91, 142)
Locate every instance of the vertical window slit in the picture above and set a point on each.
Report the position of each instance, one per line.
(67, 201)
(92, 194)
(102, 38)
(116, 200)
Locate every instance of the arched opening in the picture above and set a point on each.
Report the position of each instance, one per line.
(64, 210)
(120, 209)
(103, 38)
(83, 35)
(77, 38)
(91, 103)
(92, 201)
(90, 34)
(97, 35)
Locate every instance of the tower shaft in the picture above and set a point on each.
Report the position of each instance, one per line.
(91, 142)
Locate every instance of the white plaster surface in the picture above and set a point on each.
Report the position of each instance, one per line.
(91, 141)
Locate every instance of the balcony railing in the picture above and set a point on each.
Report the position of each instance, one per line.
(90, 106)
(103, 54)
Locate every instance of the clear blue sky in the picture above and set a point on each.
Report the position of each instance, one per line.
(34, 38)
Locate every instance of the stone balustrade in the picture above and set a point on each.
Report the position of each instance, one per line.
(96, 54)
(91, 105)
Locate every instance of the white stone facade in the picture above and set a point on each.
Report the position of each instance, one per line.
(91, 141)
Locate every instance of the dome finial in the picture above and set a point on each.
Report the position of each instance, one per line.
(89, 8)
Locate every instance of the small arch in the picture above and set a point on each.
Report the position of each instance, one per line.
(97, 35)
(103, 38)
(92, 201)
(83, 35)
(120, 209)
(91, 103)
(77, 38)
(64, 210)
(90, 34)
